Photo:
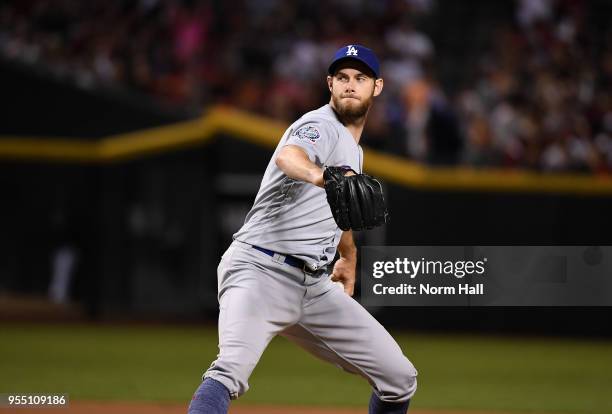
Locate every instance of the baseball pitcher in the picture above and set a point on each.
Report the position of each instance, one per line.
(274, 280)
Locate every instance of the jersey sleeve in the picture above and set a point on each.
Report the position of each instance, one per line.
(316, 138)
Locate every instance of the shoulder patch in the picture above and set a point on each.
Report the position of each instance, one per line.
(308, 133)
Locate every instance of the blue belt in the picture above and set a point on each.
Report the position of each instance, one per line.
(290, 260)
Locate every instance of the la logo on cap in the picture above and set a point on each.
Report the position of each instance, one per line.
(351, 51)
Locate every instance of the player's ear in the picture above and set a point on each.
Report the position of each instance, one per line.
(330, 80)
(378, 86)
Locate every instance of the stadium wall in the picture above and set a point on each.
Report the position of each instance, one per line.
(147, 203)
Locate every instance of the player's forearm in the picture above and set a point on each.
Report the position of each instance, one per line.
(346, 247)
(294, 162)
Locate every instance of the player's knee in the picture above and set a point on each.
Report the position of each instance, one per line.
(407, 381)
(402, 382)
(410, 385)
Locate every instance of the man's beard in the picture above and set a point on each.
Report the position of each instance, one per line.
(351, 110)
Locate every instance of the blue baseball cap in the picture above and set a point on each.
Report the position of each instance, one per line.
(356, 52)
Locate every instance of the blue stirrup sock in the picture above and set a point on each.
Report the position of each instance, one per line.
(211, 397)
(377, 406)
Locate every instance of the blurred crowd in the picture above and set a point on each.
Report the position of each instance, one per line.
(542, 97)
(538, 96)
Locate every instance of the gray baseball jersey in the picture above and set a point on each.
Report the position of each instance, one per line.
(292, 217)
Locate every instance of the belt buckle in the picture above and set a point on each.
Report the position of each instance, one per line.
(308, 270)
(279, 258)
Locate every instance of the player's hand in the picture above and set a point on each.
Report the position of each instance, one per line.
(344, 272)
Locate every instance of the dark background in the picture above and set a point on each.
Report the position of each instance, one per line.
(148, 232)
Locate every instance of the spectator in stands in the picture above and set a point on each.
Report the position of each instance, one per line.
(538, 98)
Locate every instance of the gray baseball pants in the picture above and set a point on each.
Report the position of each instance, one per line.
(261, 297)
